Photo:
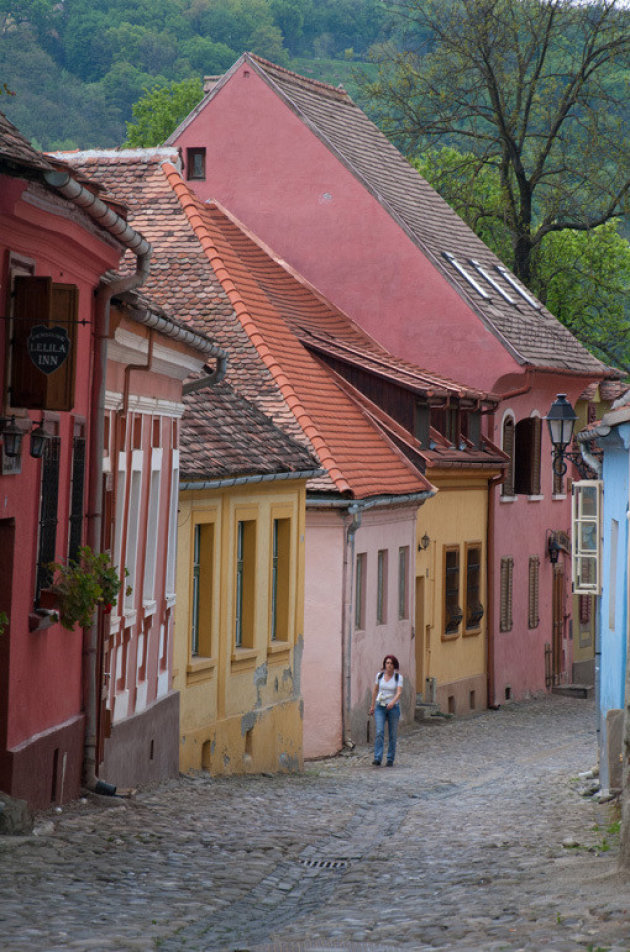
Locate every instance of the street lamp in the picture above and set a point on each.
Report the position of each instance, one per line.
(561, 420)
(38, 441)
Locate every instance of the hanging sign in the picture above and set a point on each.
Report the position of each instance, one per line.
(48, 347)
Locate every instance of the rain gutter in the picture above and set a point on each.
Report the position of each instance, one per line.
(248, 480)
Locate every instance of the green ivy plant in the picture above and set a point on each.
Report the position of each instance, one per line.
(4, 621)
(84, 583)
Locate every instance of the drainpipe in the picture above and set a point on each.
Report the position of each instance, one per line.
(140, 247)
(585, 439)
(495, 481)
(346, 640)
(211, 379)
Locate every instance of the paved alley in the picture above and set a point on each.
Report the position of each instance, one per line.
(478, 839)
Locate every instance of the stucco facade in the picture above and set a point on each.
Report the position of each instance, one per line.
(240, 706)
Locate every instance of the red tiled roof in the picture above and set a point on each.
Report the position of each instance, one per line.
(16, 152)
(224, 435)
(200, 273)
(529, 331)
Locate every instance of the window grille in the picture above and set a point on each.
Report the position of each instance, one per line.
(48, 512)
(507, 573)
(534, 573)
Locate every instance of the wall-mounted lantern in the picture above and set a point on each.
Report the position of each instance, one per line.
(11, 436)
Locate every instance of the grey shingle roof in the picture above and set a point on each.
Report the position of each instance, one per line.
(528, 331)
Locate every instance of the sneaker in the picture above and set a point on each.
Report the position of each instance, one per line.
(390, 763)
(376, 763)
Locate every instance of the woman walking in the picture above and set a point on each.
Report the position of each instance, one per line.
(385, 707)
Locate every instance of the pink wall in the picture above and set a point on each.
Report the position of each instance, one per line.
(41, 670)
(328, 601)
(270, 171)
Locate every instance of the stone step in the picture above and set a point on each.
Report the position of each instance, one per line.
(573, 690)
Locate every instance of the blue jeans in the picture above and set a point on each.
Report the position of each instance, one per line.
(381, 715)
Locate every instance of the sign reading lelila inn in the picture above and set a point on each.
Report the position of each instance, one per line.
(48, 347)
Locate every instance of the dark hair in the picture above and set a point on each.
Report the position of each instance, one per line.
(393, 659)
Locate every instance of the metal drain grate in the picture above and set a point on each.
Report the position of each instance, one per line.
(324, 863)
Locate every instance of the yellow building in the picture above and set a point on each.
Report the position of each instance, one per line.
(240, 597)
(451, 630)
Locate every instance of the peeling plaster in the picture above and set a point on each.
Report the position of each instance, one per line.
(289, 762)
(248, 722)
(298, 654)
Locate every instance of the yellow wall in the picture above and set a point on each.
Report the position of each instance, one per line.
(455, 516)
(240, 707)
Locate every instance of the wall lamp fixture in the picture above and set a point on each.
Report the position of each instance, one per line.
(12, 436)
(561, 421)
(424, 542)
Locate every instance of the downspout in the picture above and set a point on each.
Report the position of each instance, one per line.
(519, 391)
(354, 511)
(495, 481)
(585, 438)
(140, 247)
(210, 380)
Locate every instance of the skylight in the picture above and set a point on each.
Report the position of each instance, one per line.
(491, 281)
(513, 282)
(465, 274)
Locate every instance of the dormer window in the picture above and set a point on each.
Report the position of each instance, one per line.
(196, 164)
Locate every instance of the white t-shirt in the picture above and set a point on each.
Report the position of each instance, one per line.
(387, 689)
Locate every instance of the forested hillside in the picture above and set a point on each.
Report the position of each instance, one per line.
(77, 66)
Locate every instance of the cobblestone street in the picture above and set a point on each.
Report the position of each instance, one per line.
(478, 839)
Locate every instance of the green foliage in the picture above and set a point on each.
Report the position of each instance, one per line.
(582, 276)
(160, 111)
(537, 90)
(83, 584)
(4, 621)
(77, 67)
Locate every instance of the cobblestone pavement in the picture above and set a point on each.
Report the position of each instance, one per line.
(477, 841)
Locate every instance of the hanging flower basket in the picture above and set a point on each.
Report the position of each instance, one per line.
(81, 586)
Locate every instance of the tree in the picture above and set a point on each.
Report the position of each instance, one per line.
(534, 89)
(582, 276)
(160, 111)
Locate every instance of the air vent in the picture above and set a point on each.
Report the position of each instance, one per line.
(324, 863)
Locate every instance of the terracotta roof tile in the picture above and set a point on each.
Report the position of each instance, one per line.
(529, 331)
(224, 435)
(200, 274)
(16, 152)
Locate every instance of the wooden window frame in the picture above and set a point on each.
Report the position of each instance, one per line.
(586, 536)
(280, 588)
(473, 607)
(192, 174)
(245, 582)
(403, 582)
(202, 589)
(382, 561)
(507, 445)
(359, 591)
(453, 614)
(527, 446)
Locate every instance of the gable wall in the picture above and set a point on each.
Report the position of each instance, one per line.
(270, 171)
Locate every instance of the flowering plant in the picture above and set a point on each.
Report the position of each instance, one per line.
(84, 583)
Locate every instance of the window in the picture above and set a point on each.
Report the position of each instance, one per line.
(527, 457)
(471, 427)
(421, 423)
(172, 528)
(507, 573)
(508, 448)
(532, 600)
(245, 583)
(48, 513)
(381, 587)
(202, 591)
(586, 537)
(280, 579)
(195, 163)
(76, 494)
(474, 608)
(446, 421)
(452, 612)
(133, 523)
(153, 523)
(359, 593)
(403, 582)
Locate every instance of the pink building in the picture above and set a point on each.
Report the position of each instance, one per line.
(302, 166)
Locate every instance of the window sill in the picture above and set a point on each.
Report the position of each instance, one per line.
(558, 496)
(244, 658)
(171, 598)
(149, 607)
(200, 669)
(507, 498)
(471, 632)
(278, 650)
(450, 636)
(536, 498)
